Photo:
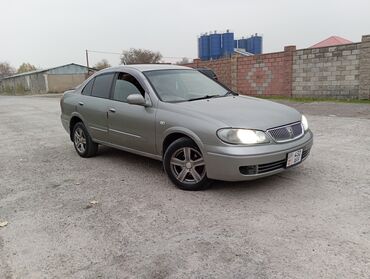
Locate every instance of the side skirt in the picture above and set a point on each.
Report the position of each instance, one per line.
(134, 151)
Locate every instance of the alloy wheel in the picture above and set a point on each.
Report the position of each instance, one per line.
(187, 165)
(80, 140)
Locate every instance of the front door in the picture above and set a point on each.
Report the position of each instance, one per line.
(130, 126)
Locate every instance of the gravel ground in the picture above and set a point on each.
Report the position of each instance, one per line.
(312, 221)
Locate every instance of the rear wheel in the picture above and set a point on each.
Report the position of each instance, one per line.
(185, 166)
(83, 143)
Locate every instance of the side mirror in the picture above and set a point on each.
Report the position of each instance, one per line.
(136, 99)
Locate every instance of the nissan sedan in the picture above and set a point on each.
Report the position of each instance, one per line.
(201, 130)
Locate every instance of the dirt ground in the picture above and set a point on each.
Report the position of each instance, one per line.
(312, 221)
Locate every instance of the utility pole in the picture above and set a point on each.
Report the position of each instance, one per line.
(87, 62)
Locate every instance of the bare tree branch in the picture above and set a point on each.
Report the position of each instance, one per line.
(102, 64)
(184, 60)
(26, 67)
(6, 70)
(140, 56)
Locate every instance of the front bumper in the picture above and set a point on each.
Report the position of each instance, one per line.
(225, 162)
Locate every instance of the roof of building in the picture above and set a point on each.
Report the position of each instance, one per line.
(332, 41)
(45, 70)
(242, 52)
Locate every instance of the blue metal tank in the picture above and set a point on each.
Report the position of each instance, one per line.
(203, 47)
(227, 43)
(200, 54)
(254, 44)
(242, 43)
(215, 49)
(235, 43)
(249, 45)
(257, 44)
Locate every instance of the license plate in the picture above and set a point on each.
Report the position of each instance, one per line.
(294, 158)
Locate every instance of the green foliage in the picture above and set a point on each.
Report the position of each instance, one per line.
(140, 56)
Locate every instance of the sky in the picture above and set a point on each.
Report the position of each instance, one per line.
(49, 33)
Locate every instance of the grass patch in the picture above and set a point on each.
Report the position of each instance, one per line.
(311, 100)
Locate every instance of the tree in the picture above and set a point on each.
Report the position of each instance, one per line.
(26, 67)
(184, 60)
(140, 56)
(6, 70)
(102, 64)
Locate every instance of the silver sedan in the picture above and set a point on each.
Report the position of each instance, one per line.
(201, 130)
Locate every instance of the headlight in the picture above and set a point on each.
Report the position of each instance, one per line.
(242, 136)
(304, 122)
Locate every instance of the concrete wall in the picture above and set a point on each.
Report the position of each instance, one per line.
(54, 80)
(341, 72)
(61, 83)
(364, 72)
(25, 84)
(41, 83)
(327, 72)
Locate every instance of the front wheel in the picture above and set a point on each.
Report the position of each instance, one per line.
(185, 166)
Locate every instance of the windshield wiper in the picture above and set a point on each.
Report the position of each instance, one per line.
(231, 93)
(204, 97)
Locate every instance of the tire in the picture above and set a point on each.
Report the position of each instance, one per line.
(185, 166)
(82, 141)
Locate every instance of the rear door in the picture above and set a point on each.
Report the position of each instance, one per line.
(130, 126)
(93, 105)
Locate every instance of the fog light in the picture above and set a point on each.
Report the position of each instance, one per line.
(248, 170)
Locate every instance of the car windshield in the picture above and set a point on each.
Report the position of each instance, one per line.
(184, 85)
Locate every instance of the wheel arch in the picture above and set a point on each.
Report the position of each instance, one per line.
(175, 133)
(75, 118)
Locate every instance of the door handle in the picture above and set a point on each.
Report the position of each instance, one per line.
(112, 110)
(81, 103)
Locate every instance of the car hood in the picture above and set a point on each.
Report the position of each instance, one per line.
(243, 112)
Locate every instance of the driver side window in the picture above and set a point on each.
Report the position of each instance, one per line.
(126, 85)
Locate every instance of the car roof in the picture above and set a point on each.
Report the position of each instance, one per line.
(149, 67)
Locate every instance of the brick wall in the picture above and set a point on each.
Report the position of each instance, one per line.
(222, 68)
(327, 72)
(331, 72)
(266, 74)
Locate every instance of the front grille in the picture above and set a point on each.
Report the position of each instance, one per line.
(257, 169)
(271, 166)
(286, 133)
(305, 153)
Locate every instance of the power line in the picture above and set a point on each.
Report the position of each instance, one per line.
(104, 52)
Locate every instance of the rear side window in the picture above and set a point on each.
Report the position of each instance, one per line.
(102, 86)
(88, 87)
(126, 85)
